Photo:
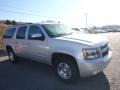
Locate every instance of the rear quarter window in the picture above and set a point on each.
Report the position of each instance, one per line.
(9, 33)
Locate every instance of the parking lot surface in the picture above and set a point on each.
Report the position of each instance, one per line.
(28, 75)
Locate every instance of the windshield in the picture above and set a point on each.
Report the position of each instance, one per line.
(57, 30)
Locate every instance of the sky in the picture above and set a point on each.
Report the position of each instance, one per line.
(70, 12)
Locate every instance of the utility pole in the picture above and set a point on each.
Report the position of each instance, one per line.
(86, 21)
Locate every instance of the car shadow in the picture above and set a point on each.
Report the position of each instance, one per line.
(29, 75)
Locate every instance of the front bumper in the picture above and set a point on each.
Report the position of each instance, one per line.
(92, 67)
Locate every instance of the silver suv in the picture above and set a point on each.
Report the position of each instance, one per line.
(71, 54)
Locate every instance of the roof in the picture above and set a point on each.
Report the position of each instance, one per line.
(33, 24)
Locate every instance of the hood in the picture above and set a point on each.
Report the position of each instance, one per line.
(89, 39)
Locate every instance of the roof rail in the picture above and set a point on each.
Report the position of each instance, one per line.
(50, 21)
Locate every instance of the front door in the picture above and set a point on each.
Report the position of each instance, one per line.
(37, 48)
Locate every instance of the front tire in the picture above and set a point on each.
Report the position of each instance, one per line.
(66, 69)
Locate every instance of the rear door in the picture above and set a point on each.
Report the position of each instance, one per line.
(20, 41)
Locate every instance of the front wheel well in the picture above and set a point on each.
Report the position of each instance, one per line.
(60, 55)
(56, 57)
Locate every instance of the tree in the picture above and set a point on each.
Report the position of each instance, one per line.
(14, 22)
(8, 22)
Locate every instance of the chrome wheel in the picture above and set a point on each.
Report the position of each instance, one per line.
(11, 56)
(64, 70)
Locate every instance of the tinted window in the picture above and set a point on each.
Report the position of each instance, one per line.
(35, 30)
(9, 33)
(21, 32)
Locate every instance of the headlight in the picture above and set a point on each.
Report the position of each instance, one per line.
(91, 53)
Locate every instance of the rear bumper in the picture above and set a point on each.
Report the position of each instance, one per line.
(92, 67)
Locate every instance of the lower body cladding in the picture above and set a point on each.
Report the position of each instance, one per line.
(93, 67)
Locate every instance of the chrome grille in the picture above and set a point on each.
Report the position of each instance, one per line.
(104, 50)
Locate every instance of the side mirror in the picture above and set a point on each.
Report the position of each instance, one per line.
(36, 36)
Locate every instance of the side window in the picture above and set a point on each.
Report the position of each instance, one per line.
(9, 33)
(21, 32)
(35, 30)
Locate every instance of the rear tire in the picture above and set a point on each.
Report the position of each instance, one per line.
(66, 69)
(12, 56)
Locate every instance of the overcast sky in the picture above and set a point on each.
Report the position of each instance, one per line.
(71, 12)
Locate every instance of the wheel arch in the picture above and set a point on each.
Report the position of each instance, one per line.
(57, 55)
